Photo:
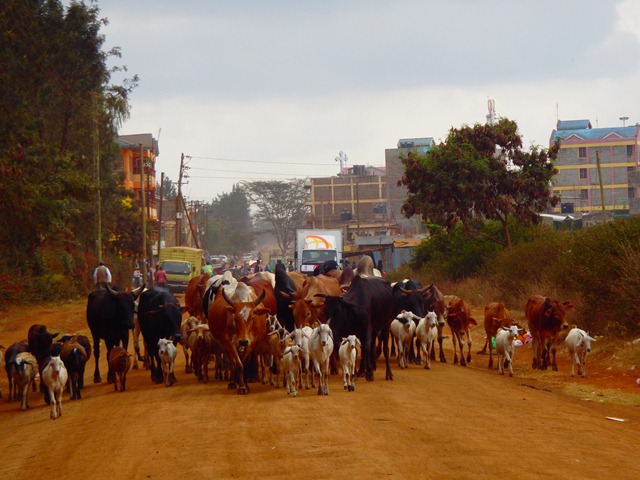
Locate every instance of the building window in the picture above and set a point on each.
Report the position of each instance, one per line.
(584, 194)
(582, 152)
(631, 169)
(629, 150)
(631, 192)
(583, 173)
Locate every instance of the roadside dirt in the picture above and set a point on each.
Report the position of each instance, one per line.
(448, 422)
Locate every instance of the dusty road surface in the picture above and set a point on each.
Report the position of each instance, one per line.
(450, 422)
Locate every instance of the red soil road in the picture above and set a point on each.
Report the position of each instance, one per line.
(450, 422)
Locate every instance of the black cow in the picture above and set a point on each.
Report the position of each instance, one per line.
(159, 316)
(40, 341)
(110, 317)
(284, 290)
(365, 310)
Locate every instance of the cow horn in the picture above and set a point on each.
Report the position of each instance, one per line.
(227, 299)
(111, 291)
(137, 291)
(258, 300)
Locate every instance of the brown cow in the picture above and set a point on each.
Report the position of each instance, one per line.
(546, 319)
(194, 295)
(459, 318)
(231, 321)
(496, 316)
(307, 308)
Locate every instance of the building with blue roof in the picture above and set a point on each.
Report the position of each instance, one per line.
(578, 180)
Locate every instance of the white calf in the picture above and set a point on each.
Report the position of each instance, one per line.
(167, 352)
(403, 328)
(579, 344)
(348, 354)
(426, 334)
(504, 347)
(54, 377)
(300, 337)
(290, 366)
(320, 350)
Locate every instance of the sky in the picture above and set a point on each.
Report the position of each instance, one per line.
(275, 90)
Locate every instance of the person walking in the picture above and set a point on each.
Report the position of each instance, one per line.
(101, 276)
(161, 277)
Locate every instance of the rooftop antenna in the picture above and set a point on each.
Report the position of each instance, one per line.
(342, 158)
(491, 116)
(624, 120)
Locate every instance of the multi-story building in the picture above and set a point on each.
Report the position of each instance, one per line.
(597, 166)
(128, 172)
(397, 195)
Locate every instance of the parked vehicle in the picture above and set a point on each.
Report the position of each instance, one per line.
(316, 246)
(180, 264)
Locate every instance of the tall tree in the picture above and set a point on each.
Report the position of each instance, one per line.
(58, 114)
(229, 228)
(282, 204)
(480, 172)
(169, 189)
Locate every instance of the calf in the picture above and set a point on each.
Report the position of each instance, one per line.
(186, 325)
(459, 318)
(167, 351)
(300, 337)
(320, 350)
(54, 377)
(24, 369)
(403, 327)
(426, 334)
(74, 357)
(119, 364)
(579, 344)
(201, 345)
(290, 364)
(505, 338)
(348, 353)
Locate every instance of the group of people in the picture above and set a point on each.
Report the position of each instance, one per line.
(102, 277)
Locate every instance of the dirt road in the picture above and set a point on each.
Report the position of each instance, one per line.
(450, 422)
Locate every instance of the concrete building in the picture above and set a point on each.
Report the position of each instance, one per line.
(128, 171)
(397, 195)
(579, 180)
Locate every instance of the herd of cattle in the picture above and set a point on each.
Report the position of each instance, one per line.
(280, 326)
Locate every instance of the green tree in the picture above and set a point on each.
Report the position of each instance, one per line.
(58, 114)
(169, 189)
(229, 228)
(282, 204)
(478, 173)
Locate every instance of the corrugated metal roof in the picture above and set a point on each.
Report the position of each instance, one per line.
(597, 133)
(573, 124)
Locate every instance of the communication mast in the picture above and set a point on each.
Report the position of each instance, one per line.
(342, 158)
(491, 116)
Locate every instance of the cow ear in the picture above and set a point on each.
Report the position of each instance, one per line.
(567, 306)
(230, 308)
(260, 311)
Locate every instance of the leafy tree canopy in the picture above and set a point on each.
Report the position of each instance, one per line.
(282, 204)
(229, 228)
(477, 173)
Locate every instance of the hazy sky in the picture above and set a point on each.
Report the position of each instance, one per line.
(276, 89)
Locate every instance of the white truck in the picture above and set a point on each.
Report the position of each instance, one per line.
(316, 246)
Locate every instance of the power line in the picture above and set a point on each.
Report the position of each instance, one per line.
(262, 161)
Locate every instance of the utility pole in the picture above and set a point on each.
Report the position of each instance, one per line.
(604, 210)
(160, 236)
(179, 203)
(143, 216)
(96, 147)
